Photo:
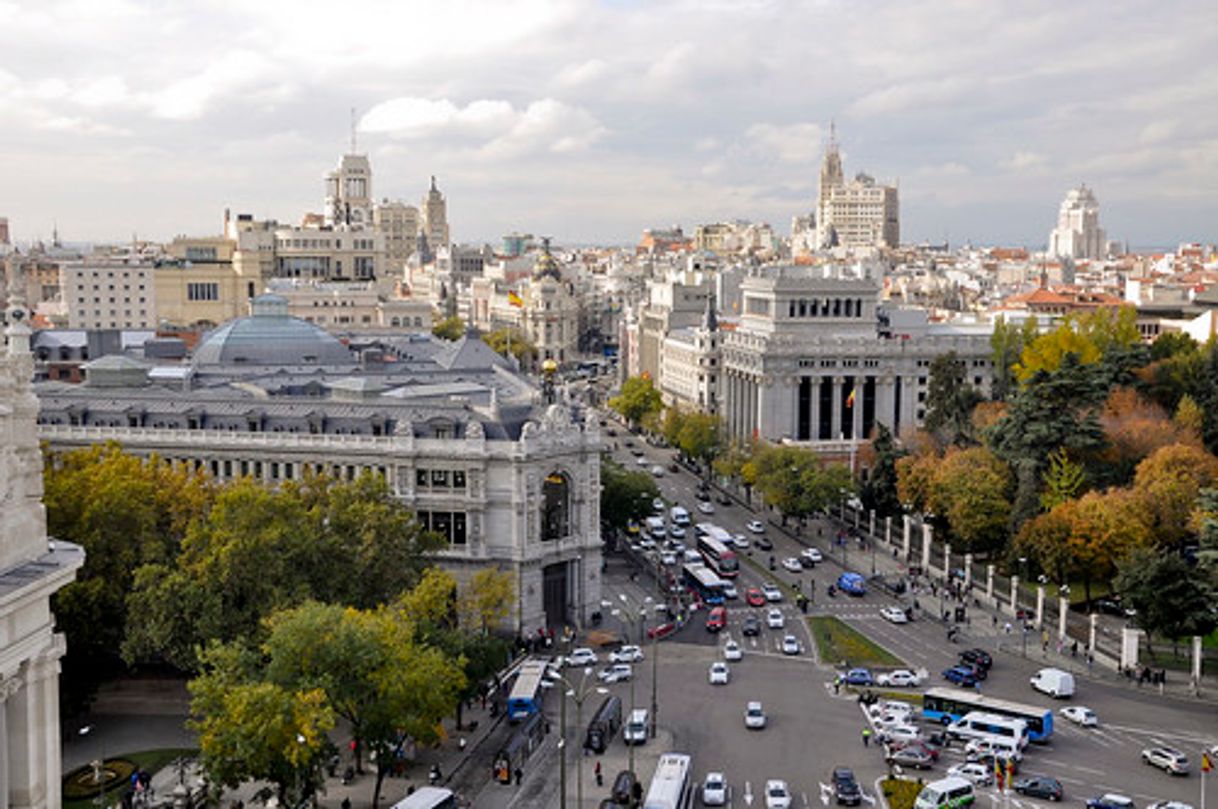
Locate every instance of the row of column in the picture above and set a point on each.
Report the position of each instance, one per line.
(742, 404)
(29, 733)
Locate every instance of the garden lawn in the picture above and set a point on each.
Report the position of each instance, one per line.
(838, 643)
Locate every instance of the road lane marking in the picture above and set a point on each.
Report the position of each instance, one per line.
(1091, 770)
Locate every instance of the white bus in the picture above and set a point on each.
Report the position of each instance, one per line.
(671, 786)
(428, 798)
(981, 725)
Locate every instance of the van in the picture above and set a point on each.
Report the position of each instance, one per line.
(635, 731)
(1054, 682)
(982, 725)
(655, 527)
(604, 724)
(717, 620)
(625, 787)
(946, 793)
(679, 516)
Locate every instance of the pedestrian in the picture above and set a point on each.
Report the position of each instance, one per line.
(1074, 649)
(977, 686)
(519, 776)
(600, 779)
(837, 685)
(866, 737)
(346, 803)
(1006, 627)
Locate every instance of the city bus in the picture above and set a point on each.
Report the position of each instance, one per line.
(949, 705)
(428, 798)
(524, 700)
(716, 548)
(671, 786)
(703, 581)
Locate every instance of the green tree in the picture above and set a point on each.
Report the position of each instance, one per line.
(879, 492)
(1205, 523)
(1171, 596)
(1006, 345)
(1172, 343)
(1064, 479)
(950, 400)
(969, 494)
(450, 328)
(670, 425)
(637, 399)
(501, 339)
(699, 437)
(625, 494)
(487, 599)
(797, 482)
(1168, 483)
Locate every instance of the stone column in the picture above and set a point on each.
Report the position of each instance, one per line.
(1129, 648)
(814, 404)
(1040, 606)
(23, 776)
(968, 571)
(888, 530)
(856, 412)
(5, 745)
(906, 539)
(1091, 633)
(989, 581)
(927, 534)
(1063, 607)
(835, 406)
(871, 524)
(1196, 679)
(947, 561)
(1014, 595)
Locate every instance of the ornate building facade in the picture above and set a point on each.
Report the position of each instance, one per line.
(1078, 233)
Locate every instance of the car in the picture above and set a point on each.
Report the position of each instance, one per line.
(900, 678)
(1110, 800)
(668, 558)
(740, 541)
(705, 508)
(1169, 805)
(763, 544)
(771, 592)
(895, 614)
(731, 651)
(751, 626)
(792, 565)
(640, 461)
(773, 618)
(676, 532)
(810, 557)
(990, 746)
(859, 677)
(704, 496)
(626, 654)
(1080, 715)
(657, 504)
(777, 795)
(657, 471)
(756, 526)
(1168, 759)
(978, 657)
(922, 745)
(900, 734)
(960, 676)
(616, 673)
(724, 500)
(790, 645)
(1112, 605)
(719, 673)
(992, 760)
(910, 756)
(1039, 786)
(852, 584)
(979, 673)
(716, 621)
(729, 591)
(846, 787)
(647, 543)
(754, 597)
(714, 789)
(581, 657)
(973, 772)
(892, 707)
(754, 716)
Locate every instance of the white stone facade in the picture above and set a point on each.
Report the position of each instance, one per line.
(1078, 233)
(100, 293)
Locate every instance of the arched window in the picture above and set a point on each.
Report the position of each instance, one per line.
(555, 507)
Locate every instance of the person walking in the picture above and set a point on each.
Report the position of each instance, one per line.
(600, 779)
(866, 737)
(519, 776)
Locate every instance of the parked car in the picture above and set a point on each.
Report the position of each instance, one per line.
(1168, 759)
(626, 654)
(900, 734)
(971, 771)
(901, 678)
(714, 789)
(859, 677)
(846, 787)
(1039, 786)
(1080, 715)
(719, 673)
(917, 744)
(894, 614)
(910, 756)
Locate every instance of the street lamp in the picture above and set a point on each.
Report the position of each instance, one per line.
(655, 663)
(99, 767)
(625, 615)
(578, 693)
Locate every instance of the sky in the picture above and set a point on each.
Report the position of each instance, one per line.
(589, 121)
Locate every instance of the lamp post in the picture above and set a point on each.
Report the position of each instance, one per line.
(625, 615)
(655, 663)
(99, 767)
(578, 693)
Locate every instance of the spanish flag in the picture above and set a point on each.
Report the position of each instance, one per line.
(515, 300)
(850, 398)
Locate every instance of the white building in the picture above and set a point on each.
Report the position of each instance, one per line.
(691, 365)
(1078, 233)
(32, 569)
(856, 214)
(102, 292)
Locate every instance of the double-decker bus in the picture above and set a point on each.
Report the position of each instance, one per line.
(949, 705)
(716, 547)
(703, 581)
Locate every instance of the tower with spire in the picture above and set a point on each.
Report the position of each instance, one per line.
(435, 217)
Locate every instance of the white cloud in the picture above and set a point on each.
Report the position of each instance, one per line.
(790, 143)
(1024, 161)
(581, 74)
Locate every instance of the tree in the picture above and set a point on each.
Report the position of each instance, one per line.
(1006, 344)
(487, 599)
(796, 482)
(915, 476)
(625, 494)
(1172, 343)
(1064, 479)
(126, 511)
(1205, 523)
(1047, 352)
(879, 492)
(501, 339)
(637, 399)
(1171, 596)
(950, 400)
(698, 437)
(1134, 427)
(1103, 528)
(670, 425)
(969, 494)
(450, 328)
(1168, 483)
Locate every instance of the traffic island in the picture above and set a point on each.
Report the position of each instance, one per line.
(839, 644)
(900, 793)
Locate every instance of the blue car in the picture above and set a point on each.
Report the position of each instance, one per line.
(852, 584)
(859, 677)
(960, 676)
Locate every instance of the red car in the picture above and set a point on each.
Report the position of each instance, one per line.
(754, 597)
(717, 619)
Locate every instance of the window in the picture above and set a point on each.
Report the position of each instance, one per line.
(197, 291)
(458, 480)
(420, 478)
(439, 478)
(448, 524)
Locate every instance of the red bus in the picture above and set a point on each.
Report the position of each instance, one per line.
(719, 556)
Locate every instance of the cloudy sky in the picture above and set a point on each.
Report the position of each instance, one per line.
(592, 120)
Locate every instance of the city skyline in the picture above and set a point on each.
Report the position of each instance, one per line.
(592, 121)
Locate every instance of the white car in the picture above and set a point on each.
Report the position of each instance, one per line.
(617, 673)
(657, 471)
(900, 733)
(676, 532)
(581, 657)
(895, 614)
(731, 651)
(740, 541)
(811, 557)
(771, 592)
(1080, 715)
(973, 772)
(658, 505)
(641, 460)
(893, 707)
(790, 645)
(714, 789)
(777, 796)
(719, 674)
(626, 654)
(754, 716)
(774, 619)
(756, 527)
(668, 558)
(705, 507)
(729, 591)
(792, 565)
(901, 678)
